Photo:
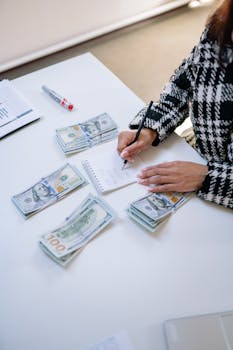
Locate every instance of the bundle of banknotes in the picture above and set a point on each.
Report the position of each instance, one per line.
(153, 209)
(67, 240)
(78, 137)
(48, 190)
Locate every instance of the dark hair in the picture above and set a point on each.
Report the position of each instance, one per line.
(220, 25)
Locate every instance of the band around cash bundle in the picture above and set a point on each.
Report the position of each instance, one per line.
(67, 240)
(78, 137)
(153, 209)
(48, 190)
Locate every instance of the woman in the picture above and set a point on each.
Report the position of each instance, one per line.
(202, 87)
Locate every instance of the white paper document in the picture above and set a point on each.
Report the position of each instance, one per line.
(118, 341)
(15, 110)
(106, 173)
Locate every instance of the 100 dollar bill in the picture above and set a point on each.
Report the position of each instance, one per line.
(153, 209)
(48, 190)
(83, 224)
(78, 137)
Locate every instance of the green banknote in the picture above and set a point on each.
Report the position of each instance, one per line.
(48, 190)
(92, 216)
(78, 137)
(153, 209)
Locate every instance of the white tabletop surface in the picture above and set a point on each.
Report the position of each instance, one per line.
(126, 278)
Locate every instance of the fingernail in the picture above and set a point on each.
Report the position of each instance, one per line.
(141, 182)
(123, 154)
(152, 186)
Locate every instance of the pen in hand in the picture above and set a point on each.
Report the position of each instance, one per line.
(139, 130)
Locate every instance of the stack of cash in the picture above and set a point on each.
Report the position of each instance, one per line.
(66, 241)
(153, 209)
(48, 190)
(78, 137)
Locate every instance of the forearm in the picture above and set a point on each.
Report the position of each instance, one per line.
(162, 119)
(172, 108)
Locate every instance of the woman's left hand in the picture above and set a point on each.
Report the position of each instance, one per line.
(175, 176)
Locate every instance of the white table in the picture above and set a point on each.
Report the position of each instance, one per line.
(126, 278)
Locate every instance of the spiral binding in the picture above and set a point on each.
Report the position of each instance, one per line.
(92, 175)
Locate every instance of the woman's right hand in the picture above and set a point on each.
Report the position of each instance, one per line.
(146, 138)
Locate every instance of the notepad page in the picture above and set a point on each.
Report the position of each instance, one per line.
(107, 174)
(12, 104)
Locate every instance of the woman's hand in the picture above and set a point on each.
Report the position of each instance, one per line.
(173, 176)
(146, 137)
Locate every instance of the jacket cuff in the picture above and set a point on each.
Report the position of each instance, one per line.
(215, 190)
(151, 122)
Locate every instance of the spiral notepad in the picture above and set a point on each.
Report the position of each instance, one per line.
(106, 174)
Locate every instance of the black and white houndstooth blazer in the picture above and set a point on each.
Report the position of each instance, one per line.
(202, 89)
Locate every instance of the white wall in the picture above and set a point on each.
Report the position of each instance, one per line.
(30, 29)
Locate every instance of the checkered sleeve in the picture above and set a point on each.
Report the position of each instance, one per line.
(218, 184)
(173, 105)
